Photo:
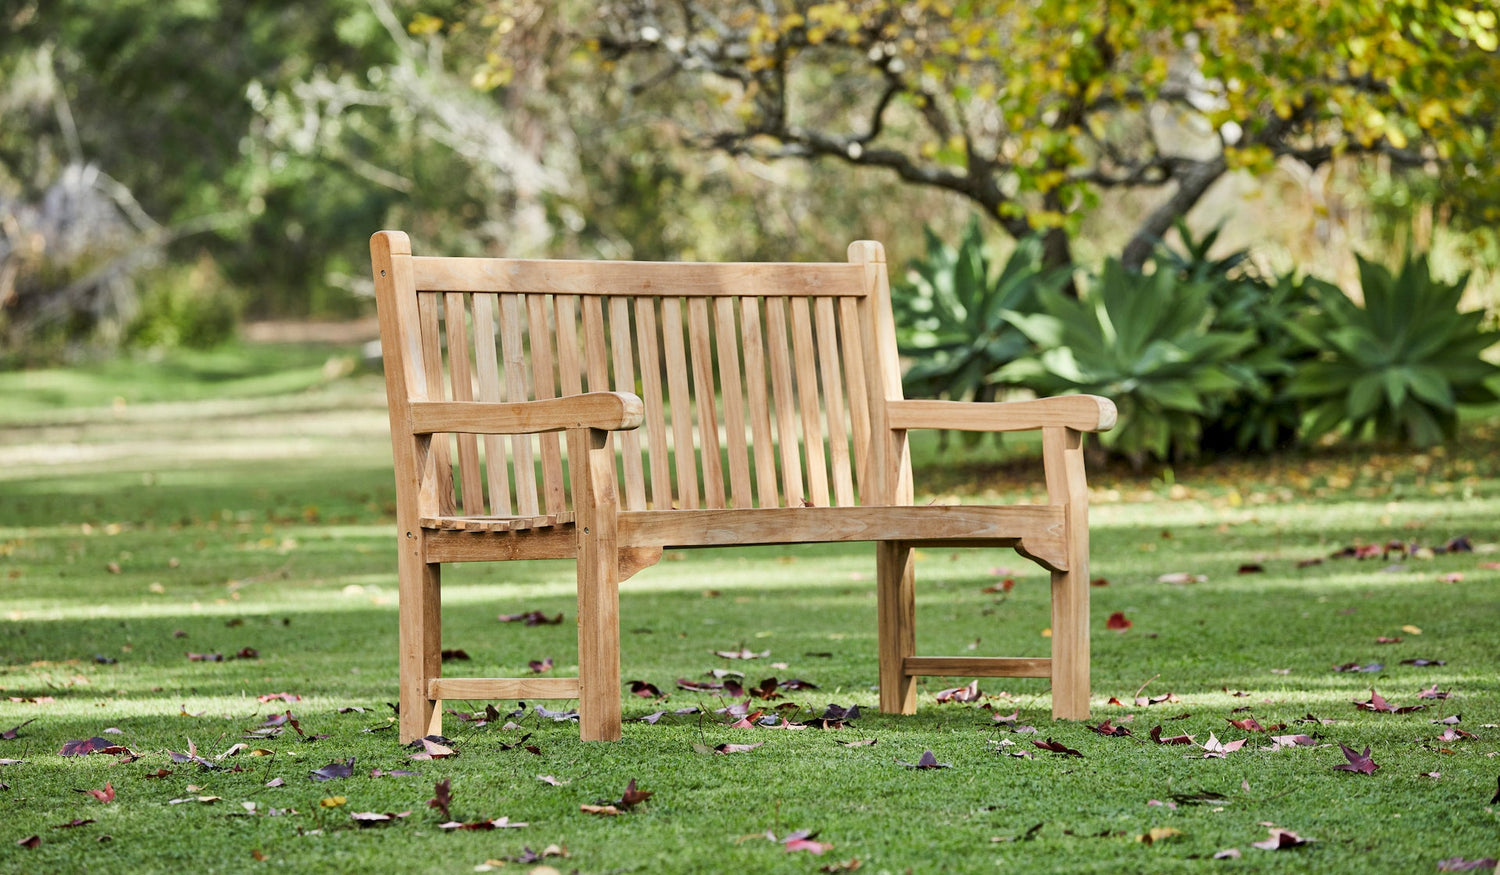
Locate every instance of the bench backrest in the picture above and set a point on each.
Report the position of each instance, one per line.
(761, 381)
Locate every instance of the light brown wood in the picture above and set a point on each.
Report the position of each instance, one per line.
(543, 377)
(1079, 412)
(633, 278)
(503, 688)
(792, 492)
(1062, 456)
(680, 402)
(656, 401)
(487, 365)
(978, 666)
(763, 447)
(732, 389)
(607, 410)
(700, 349)
(766, 389)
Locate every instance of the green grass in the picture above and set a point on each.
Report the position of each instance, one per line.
(179, 524)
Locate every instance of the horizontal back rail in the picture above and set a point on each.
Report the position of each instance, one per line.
(637, 278)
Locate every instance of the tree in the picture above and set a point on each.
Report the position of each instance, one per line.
(1031, 110)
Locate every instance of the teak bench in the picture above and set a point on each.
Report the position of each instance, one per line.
(703, 405)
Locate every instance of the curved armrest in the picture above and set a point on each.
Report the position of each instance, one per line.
(607, 411)
(1078, 412)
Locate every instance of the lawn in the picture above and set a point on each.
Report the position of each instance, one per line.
(193, 546)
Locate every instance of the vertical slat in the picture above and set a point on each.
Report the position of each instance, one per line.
(781, 394)
(807, 396)
(569, 363)
(700, 347)
(760, 405)
(859, 393)
(630, 441)
(683, 449)
(539, 331)
(595, 344)
(651, 389)
(439, 476)
(461, 378)
(833, 395)
(514, 352)
(487, 363)
(732, 390)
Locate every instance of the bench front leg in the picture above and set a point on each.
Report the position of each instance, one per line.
(420, 641)
(596, 505)
(896, 608)
(1062, 455)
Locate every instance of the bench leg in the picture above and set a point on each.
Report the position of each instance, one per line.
(896, 618)
(1062, 452)
(593, 468)
(420, 642)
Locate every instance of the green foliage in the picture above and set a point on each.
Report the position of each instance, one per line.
(190, 306)
(1400, 364)
(1145, 341)
(951, 314)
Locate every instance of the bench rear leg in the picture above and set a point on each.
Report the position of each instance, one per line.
(1062, 452)
(896, 619)
(420, 641)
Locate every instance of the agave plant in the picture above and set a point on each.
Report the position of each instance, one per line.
(950, 314)
(1145, 341)
(1400, 364)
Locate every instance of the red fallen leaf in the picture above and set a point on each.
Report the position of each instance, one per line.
(285, 697)
(441, 798)
(1118, 621)
(497, 823)
(1056, 747)
(693, 686)
(431, 748)
(1252, 568)
(1099, 581)
(1456, 735)
(159, 773)
(1433, 692)
(1376, 702)
(742, 653)
(1010, 718)
(105, 795)
(205, 657)
(11, 733)
(802, 840)
(335, 769)
(1213, 748)
(79, 747)
(1459, 864)
(784, 724)
(74, 823)
(30, 842)
(1176, 739)
(1308, 563)
(455, 653)
(538, 666)
(247, 653)
(647, 691)
(375, 818)
(531, 618)
(1106, 728)
(1249, 724)
(1144, 701)
(1358, 762)
(1115, 702)
(768, 689)
(927, 760)
(793, 684)
(968, 693)
(1281, 839)
(1005, 585)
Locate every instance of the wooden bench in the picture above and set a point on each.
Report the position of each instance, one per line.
(602, 411)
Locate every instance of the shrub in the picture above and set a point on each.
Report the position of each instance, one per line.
(1399, 365)
(190, 306)
(951, 314)
(1145, 341)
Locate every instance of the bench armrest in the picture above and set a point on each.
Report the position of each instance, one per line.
(607, 411)
(1078, 412)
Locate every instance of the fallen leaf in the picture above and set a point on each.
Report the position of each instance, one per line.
(11, 733)
(431, 747)
(537, 666)
(1459, 864)
(1433, 692)
(105, 795)
(497, 823)
(1356, 667)
(30, 842)
(1358, 762)
(375, 818)
(455, 654)
(742, 653)
(335, 769)
(862, 742)
(1292, 741)
(1423, 662)
(285, 697)
(97, 744)
(74, 823)
(1249, 724)
(442, 797)
(1056, 747)
(1158, 834)
(802, 840)
(332, 801)
(1118, 622)
(531, 618)
(1182, 577)
(1384, 640)
(1106, 728)
(1176, 739)
(1281, 839)
(727, 748)
(927, 761)
(969, 693)
(1213, 748)
(644, 690)
(1228, 854)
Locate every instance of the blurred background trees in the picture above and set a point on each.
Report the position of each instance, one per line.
(170, 168)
